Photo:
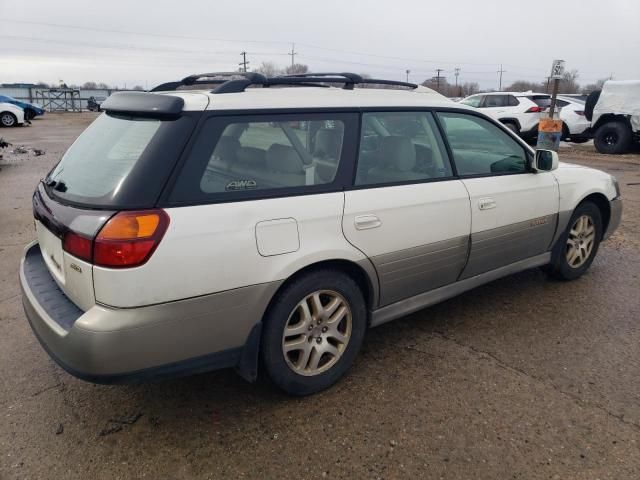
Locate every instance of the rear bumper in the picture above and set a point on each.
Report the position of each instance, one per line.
(616, 217)
(111, 345)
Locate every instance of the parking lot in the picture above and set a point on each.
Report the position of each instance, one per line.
(522, 378)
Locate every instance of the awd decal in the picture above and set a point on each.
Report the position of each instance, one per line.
(241, 185)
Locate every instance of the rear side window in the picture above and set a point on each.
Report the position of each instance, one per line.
(473, 101)
(400, 147)
(480, 147)
(513, 101)
(256, 155)
(496, 101)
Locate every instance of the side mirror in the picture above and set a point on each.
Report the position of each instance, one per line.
(545, 161)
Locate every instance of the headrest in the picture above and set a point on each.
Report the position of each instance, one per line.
(398, 152)
(226, 148)
(283, 159)
(328, 143)
(251, 156)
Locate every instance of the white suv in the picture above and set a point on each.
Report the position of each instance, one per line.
(520, 112)
(185, 231)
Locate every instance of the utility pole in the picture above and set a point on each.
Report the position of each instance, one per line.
(457, 72)
(408, 72)
(438, 70)
(244, 62)
(501, 71)
(293, 54)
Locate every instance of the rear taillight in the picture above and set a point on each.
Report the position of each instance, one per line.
(535, 110)
(127, 240)
(78, 246)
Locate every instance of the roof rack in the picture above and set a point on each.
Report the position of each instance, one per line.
(237, 85)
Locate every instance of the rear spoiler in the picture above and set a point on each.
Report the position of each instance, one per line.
(143, 103)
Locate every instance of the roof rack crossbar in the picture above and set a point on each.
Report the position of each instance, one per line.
(247, 79)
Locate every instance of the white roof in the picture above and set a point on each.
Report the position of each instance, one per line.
(312, 97)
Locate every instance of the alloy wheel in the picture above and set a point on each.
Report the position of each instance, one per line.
(317, 332)
(580, 241)
(7, 120)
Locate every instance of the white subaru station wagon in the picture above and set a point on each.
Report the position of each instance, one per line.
(189, 228)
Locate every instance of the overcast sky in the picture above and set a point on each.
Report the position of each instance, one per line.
(147, 42)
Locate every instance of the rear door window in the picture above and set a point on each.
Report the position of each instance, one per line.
(495, 101)
(263, 155)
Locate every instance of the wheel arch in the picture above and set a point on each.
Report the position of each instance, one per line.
(362, 272)
(602, 202)
(612, 117)
(513, 120)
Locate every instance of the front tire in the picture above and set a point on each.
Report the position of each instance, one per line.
(613, 138)
(313, 331)
(578, 245)
(513, 127)
(8, 119)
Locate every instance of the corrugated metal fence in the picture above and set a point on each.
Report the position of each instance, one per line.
(28, 94)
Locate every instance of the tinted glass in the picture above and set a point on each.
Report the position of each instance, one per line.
(270, 153)
(541, 100)
(400, 147)
(472, 101)
(496, 101)
(480, 147)
(513, 101)
(96, 165)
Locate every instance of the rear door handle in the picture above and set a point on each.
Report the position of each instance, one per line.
(486, 203)
(365, 222)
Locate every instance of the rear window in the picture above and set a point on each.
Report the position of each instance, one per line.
(543, 101)
(118, 161)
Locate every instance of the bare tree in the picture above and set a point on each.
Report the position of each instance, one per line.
(439, 84)
(138, 87)
(569, 82)
(269, 69)
(469, 88)
(90, 85)
(42, 84)
(296, 68)
(103, 86)
(525, 86)
(594, 86)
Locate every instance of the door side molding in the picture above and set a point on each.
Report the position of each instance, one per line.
(418, 302)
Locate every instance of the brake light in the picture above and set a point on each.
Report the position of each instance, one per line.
(535, 110)
(129, 238)
(78, 246)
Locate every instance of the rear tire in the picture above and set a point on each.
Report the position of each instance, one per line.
(513, 127)
(8, 119)
(313, 331)
(578, 245)
(613, 138)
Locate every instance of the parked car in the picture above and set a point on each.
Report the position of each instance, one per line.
(94, 103)
(576, 127)
(30, 110)
(520, 112)
(185, 231)
(614, 113)
(11, 115)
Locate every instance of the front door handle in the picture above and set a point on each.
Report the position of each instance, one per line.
(486, 203)
(365, 222)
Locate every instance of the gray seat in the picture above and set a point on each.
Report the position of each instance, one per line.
(328, 143)
(225, 153)
(397, 159)
(285, 166)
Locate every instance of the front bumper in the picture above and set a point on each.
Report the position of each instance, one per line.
(112, 345)
(615, 218)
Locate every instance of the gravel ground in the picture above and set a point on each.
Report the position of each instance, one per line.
(522, 378)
